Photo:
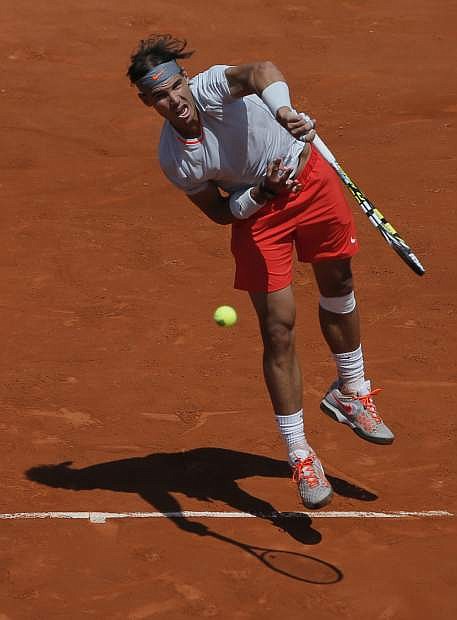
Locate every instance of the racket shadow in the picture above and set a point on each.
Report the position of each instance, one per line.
(292, 564)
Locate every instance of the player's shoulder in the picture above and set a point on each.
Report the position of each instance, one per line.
(181, 165)
(176, 153)
(168, 144)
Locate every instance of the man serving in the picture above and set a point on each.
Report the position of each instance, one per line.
(234, 144)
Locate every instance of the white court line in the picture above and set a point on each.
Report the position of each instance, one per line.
(101, 517)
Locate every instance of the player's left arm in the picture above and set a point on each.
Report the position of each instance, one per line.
(266, 80)
(252, 79)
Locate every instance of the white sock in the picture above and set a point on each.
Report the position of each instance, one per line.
(293, 433)
(350, 370)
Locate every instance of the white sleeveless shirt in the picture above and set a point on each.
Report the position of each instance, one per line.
(239, 138)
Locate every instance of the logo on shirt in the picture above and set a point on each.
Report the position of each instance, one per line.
(353, 240)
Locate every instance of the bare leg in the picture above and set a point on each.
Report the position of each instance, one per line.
(276, 314)
(341, 331)
(351, 400)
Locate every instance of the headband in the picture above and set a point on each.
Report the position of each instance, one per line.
(157, 75)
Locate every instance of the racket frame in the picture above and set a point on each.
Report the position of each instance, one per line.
(377, 219)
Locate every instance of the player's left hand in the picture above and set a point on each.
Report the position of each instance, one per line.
(277, 178)
(298, 125)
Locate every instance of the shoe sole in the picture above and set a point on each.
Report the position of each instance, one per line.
(335, 414)
(320, 504)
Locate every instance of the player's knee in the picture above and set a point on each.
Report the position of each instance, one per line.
(340, 285)
(339, 304)
(278, 337)
(346, 285)
(335, 279)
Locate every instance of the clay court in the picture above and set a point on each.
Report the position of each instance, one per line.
(120, 394)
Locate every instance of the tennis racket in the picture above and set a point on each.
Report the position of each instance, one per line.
(375, 216)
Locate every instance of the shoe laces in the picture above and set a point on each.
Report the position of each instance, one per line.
(368, 404)
(304, 470)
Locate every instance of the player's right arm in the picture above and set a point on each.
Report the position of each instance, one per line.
(241, 205)
(213, 204)
(220, 209)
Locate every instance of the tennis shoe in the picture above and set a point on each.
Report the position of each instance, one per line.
(358, 411)
(313, 487)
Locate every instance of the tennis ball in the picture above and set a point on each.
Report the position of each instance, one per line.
(225, 316)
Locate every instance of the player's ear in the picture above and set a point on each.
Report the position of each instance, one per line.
(145, 100)
(185, 75)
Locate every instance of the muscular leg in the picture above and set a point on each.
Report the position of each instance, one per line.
(353, 393)
(341, 331)
(276, 314)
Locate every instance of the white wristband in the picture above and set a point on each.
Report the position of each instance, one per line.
(242, 204)
(276, 96)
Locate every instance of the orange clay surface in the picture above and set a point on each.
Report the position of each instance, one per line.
(110, 358)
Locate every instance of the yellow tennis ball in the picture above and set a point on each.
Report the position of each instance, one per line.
(225, 316)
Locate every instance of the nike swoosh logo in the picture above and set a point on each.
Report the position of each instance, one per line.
(347, 408)
(155, 76)
(353, 240)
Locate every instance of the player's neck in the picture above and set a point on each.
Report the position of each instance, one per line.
(189, 130)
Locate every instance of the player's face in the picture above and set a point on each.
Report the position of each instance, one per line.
(174, 101)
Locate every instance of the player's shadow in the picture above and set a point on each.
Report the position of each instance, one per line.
(206, 474)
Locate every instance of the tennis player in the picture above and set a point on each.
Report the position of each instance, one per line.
(233, 143)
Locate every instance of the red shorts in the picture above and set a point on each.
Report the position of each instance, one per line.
(317, 220)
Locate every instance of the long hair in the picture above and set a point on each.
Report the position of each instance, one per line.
(154, 50)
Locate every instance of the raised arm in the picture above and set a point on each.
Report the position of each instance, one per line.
(253, 78)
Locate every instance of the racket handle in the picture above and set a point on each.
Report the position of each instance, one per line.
(324, 150)
(321, 146)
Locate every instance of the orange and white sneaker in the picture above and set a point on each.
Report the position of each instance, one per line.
(358, 411)
(313, 487)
